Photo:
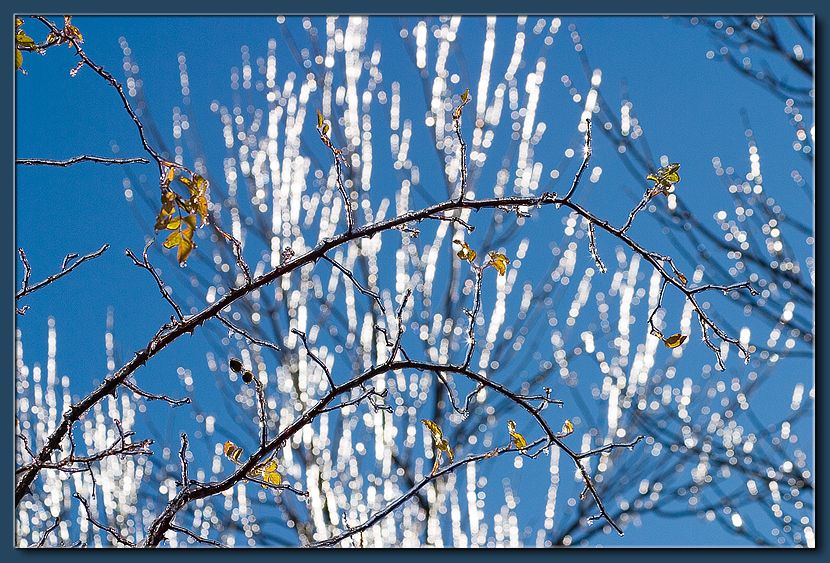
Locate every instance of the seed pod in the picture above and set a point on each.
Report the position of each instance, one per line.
(247, 376)
(235, 365)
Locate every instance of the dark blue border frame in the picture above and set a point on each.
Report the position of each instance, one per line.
(7, 266)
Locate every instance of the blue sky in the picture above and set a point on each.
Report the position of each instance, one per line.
(689, 106)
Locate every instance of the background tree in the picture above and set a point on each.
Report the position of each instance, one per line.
(331, 333)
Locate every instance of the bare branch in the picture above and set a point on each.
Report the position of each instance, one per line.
(609, 447)
(199, 539)
(395, 503)
(108, 529)
(48, 531)
(183, 458)
(247, 335)
(82, 158)
(147, 266)
(314, 357)
(27, 289)
(153, 397)
(592, 246)
(586, 156)
(348, 273)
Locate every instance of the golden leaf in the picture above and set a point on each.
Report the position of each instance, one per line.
(674, 340)
(444, 445)
(185, 247)
(232, 452)
(567, 427)
(199, 186)
(22, 39)
(319, 119)
(190, 220)
(168, 176)
(465, 97)
(433, 428)
(518, 440)
(438, 437)
(466, 253)
(499, 261)
(325, 129)
(202, 208)
(682, 278)
(173, 224)
(70, 29)
(164, 218)
(173, 239)
(269, 473)
(665, 177)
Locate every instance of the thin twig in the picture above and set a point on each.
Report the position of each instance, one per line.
(586, 156)
(193, 535)
(592, 246)
(247, 335)
(77, 159)
(183, 459)
(145, 264)
(48, 531)
(108, 529)
(314, 356)
(348, 273)
(27, 289)
(153, 397)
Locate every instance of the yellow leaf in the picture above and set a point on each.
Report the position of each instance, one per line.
(433, 428)
(499, 261)
(438, 437)
(164, 217)
(173, 239)
(567, 427)
(169, 174)
(202, 208)
(466, 253)
(190, 221)
(18, 22)
(270, 474)
(465, 97)
(232, 452)
(674, 340)
(23, 40)
(325, 129)
(199, 185)
(72, 30)
(186, 181)
(173, 224)
(665, 176)
(319, 119)
(518, 440)
(18, 59)
(444, 445)
(185, 247)
(682, 278)
(267, 472)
